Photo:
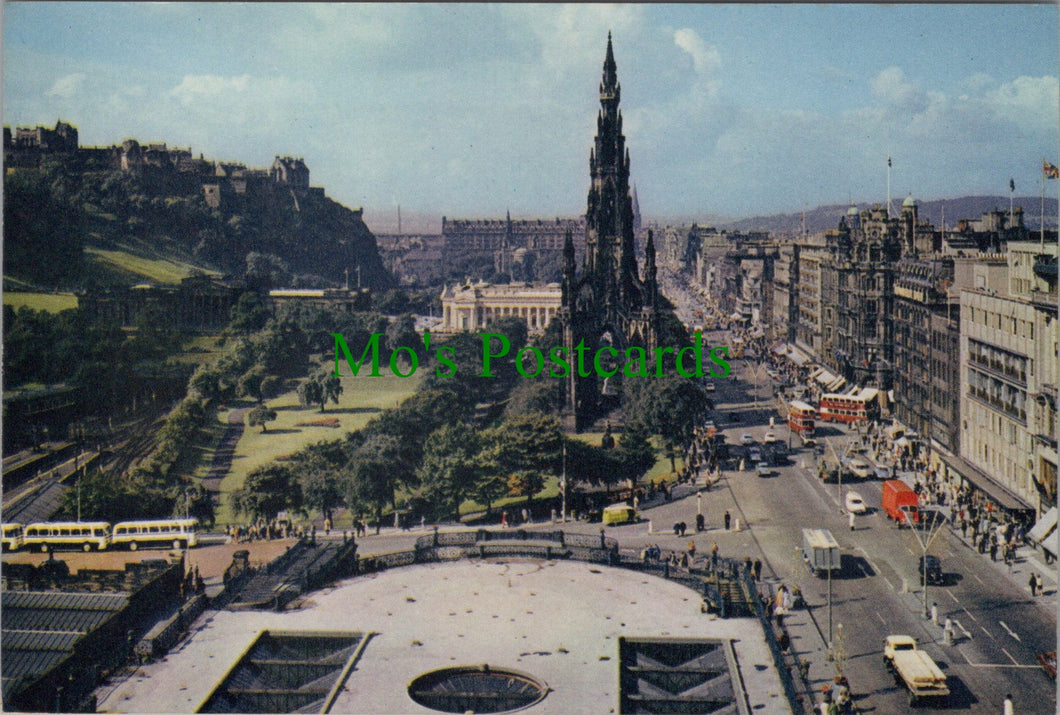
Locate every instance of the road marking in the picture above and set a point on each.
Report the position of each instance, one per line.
(987, 632)
(1014, 661)
(1009, 631)
(955, 599)
(969, 614)
(979, 579)
(882, 619)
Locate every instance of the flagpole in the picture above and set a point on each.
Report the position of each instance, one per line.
(1011, 193)
(1042, 246)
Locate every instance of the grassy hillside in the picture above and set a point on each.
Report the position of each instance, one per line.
(50, 302)
(135, 265)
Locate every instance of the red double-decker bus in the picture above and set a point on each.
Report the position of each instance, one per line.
(860, 407)
(802, 419)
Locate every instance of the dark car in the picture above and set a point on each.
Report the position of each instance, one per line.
(933, 567)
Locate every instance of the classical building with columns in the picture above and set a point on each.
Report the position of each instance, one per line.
(473, 307)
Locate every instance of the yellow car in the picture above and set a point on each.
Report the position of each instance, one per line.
(620, 513)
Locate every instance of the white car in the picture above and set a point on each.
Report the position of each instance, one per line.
(710, 387)
(746, 438)
(855, 504)
(860, 468)
(763, 469)
(770, 437)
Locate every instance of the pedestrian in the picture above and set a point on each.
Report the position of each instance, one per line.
(1006, 707)
(691, 550)
(728, 519)
(1040, 583)
(714, 556)
(993, 550)
(504, 519)
(758, 569)
(784, 642)
(1033, 583)
(700, 523)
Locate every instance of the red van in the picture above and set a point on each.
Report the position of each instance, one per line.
(900, 503)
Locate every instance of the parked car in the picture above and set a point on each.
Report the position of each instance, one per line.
(933, 567)
(710, 387)
(855, 504)
(754, 454)
(763, 469)
(746, 438)
(883, 472)
(770, 437)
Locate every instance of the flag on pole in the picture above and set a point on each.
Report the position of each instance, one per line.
(1051, 172)
(888, 161)
(1011, 184)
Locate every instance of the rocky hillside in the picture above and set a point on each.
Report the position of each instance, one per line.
(63, 212)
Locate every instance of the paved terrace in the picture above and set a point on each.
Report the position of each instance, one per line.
(559, 621)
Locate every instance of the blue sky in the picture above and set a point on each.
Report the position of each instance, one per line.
(471, 110)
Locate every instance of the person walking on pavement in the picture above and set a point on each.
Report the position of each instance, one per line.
(1033, 583)
(728, 519)
(758, 569)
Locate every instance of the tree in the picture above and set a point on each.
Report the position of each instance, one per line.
(250, 382)
(319, 389)
(249, 314)
(635, 451)
(375, 471)
(267, 491)
(260, 415)
(669, 406)
(451, 467)
(524, 449)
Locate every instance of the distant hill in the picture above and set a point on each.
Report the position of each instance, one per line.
(80, 218)
(968, 207)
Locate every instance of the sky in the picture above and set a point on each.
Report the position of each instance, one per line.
(473, 110)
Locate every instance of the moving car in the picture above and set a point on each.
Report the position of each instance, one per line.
(883, 472)
(860, 468)
(710, 387)
(855, 504)
(763, 469)
(620, 513)
(933, 567)
(755, 454)
(746, 438)
(770, 437)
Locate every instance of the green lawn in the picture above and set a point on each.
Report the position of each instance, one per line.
(50, 302)
(362, 398)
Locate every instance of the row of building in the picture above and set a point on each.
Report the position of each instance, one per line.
(173, 170)
(959, 329)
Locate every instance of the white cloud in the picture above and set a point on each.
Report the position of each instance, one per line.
(891, 86)
(67, 86)
(1027, 101)
(705, 58)
(194, 87)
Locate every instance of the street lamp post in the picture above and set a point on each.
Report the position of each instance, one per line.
(563, 487)
(934, 529)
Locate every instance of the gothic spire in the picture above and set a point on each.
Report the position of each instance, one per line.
(610, 69)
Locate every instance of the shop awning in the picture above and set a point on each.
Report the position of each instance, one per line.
(826, 378)
(997, 493)
(1051, 542)
(1045, 526)
(797, 355)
